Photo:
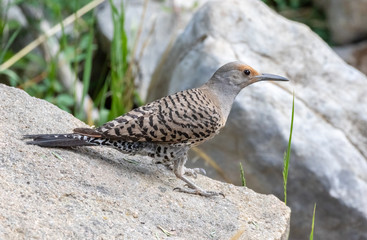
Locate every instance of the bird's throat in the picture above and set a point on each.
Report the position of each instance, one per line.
(222, 96)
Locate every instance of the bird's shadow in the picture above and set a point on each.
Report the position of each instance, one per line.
(126, 162)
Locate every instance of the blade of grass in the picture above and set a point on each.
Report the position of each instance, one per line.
(101, 100)
(121, 99)
(168, 233)
(52, 77)
(3, 16)
(243, 180)
(116, 65)
(13, 77)
(8, 44)
(57, 156)
(50, 33)
(313, 222)
(63, 37)
(87, 71)
(287, 156)
(131, 93)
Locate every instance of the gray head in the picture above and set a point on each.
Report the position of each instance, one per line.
(240, 75)
(228, 81)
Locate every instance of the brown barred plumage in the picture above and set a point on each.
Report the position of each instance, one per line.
(188, 117)
(166, 128)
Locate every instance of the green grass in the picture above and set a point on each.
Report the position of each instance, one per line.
(106, 82)
(313, 222)
(243, 180)
(304, 11)
(121, 92)
(286, 161)
(6, 43)
(87, 75)
(287, 156)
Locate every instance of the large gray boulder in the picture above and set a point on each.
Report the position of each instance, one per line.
(94, 193)
(329, 147)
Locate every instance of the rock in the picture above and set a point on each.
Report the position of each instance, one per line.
(13, 13)
(346, 19)
(163, 21)
(94, 193)
(329, 147)
(355, 55)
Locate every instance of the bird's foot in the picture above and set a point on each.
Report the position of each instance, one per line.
(198, 192)
(191, 171)
(194, 172)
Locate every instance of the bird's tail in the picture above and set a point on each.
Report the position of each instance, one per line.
(59, 140)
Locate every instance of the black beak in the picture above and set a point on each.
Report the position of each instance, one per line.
(268, 77)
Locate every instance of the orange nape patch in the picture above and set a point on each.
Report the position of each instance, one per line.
(244, 67)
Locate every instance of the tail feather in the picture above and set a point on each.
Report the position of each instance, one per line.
(57, 140)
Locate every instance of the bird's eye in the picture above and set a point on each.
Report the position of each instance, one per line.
(247, 72)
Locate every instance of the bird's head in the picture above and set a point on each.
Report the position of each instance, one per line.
(241, 75)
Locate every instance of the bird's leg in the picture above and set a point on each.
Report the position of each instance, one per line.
(179, 170)
(190, 171)
(194, 171)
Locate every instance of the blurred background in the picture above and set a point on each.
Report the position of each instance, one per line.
(96, 60)
(88, 64)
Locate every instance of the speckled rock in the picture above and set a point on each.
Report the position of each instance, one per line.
(99, 193)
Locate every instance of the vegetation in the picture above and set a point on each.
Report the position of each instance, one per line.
(287, 156)
(69, 70)
(243, 180)
(96, 86)
(286, 160)
(313, 222)
(304, 11)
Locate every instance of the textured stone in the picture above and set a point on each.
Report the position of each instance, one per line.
(94, 193)
(329, 153)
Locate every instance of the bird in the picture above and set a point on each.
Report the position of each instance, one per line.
(167, 128)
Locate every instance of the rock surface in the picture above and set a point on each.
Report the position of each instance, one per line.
(329, 147)
(93, 193)
(346, 19)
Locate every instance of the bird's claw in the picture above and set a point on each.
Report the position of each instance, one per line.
(200, 170)
(194, 171)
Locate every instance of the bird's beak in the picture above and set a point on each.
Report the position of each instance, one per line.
(267, 77)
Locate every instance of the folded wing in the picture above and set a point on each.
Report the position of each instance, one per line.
(184, 117)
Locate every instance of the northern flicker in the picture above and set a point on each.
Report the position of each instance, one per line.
(168, 127)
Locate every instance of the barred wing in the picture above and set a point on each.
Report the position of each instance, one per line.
(184, 117)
